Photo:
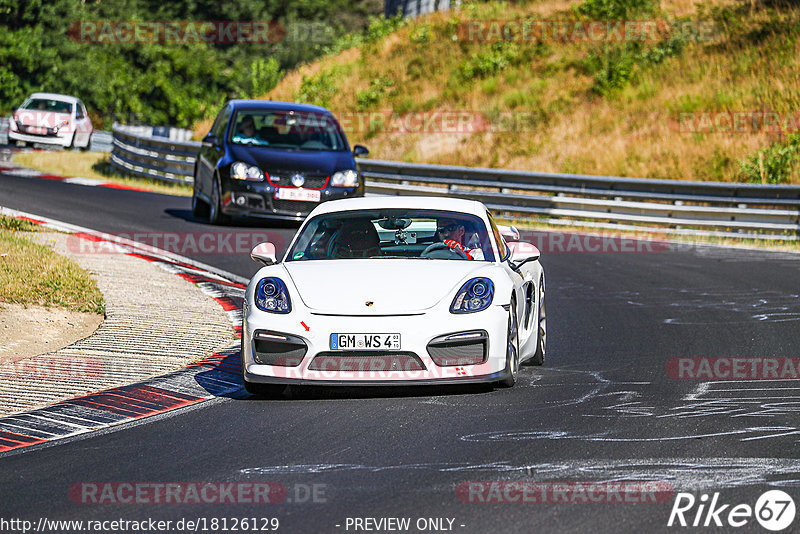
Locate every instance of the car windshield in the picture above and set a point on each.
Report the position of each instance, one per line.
(46, 104)
(393, 233)
(287, 130)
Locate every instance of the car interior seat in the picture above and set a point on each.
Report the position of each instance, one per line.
(355, 239)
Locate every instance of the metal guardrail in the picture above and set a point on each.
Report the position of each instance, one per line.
(153, 157)
(726, 208)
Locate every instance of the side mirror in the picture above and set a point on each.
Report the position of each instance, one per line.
(522, 253)
(509, 233)
(265, 253)
(210, 140)
(360, 151)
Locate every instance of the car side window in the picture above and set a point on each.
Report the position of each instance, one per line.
(222, 123)
(79, 113)
(501, 244)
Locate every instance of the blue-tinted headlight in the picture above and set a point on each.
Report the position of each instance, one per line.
(272, 296)
(474, 296)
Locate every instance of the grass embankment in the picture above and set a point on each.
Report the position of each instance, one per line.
(32, 274)
(612, 107)
(92, 165)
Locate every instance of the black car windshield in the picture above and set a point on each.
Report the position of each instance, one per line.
(293, 130)
(46, 104)
(393, 233)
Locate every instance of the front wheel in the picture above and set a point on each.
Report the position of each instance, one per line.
(512, 349)
(199, 207)
(215, 215)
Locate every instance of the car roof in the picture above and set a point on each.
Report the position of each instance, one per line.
(275, 105)
(55, 96)
(458, 205)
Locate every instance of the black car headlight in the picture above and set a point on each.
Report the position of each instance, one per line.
(272, 296)
(474, 296)
(243, 171)
(348, 178)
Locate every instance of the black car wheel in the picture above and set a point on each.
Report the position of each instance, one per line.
(215, 215)
(541, 342)
(512, 349)
(199, 206)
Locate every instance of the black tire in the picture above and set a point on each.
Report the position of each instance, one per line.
(215, 215)
(199, 206)
(512, 349)
(541, 329)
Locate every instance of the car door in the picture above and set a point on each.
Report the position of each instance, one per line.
(522, 281)
(83, 125)
(211, 152)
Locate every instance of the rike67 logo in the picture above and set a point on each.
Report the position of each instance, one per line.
(774, 510)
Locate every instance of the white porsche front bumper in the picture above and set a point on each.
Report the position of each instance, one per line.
(411, 364)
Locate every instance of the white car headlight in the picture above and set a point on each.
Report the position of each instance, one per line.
(12, 124)
(243, 171)
(348, 178)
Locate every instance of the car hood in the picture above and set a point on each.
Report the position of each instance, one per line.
(309, 161)
(343, 287)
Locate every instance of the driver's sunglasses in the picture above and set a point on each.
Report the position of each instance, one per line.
(449, 228)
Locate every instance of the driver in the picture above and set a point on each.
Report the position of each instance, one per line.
(451, 232)
(248, 127)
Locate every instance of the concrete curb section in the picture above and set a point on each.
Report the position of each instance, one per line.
(155, 323)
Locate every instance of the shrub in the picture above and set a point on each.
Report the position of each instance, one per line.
(773, 164)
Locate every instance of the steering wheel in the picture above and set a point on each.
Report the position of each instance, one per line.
(436, 247)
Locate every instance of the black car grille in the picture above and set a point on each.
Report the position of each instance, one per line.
(449, 350)
(293, 206)
(366, 361)
(269, 349)
(284, 179)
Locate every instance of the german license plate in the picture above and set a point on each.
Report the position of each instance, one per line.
(305, 195)
(365, 341)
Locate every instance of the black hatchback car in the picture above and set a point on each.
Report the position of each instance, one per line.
(276, 160)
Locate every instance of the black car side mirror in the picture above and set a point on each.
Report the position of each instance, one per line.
(360, 150)
(210, 140)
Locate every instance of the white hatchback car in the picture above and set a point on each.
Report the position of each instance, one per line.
(51, 119)
(394, 290)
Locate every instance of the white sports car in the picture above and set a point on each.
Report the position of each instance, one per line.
(394, 290)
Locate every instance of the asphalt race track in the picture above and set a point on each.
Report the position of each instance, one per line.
(603, 408)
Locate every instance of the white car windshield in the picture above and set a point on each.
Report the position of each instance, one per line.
(393, 233)
(47, 104)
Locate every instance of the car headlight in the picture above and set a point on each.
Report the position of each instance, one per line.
(474, 296)
(243, 171)
(272, 296)
(12, 125)
(348, 178)
(61, 125)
